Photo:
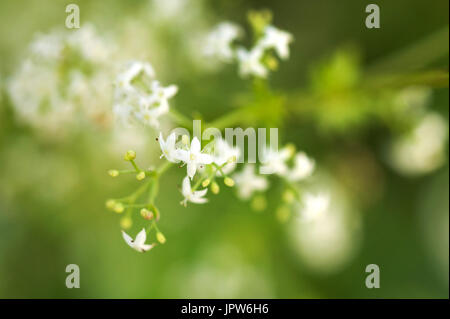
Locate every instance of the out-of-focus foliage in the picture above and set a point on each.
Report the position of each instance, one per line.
(371, 106)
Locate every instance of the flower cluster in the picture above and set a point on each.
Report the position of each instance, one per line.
(64, 75)
(216, 160)
(139, 96)
(256, 61)
(292, 167)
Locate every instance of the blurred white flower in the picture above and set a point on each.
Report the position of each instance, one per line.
(90, 46)
(274, 161)
(247, 182)
(303, 168)
(193, 157)
(250, 62)
(139, 96)
(54, 96)
(47, 46)
(225, 153)
(219, 40)
(313, 206)
(279, 40)
(133, 70)
(327, 244)
(423, 150)
(168, 147)
(139, 243)
(192, 196)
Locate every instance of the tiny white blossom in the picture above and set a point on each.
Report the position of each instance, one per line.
(248, 182)
(137, 88)
(218, 42)
(274, 162)
(193, 157)
(223, 153)
(192, 196)
(276, 39)
(47, 46)
(314, 206)
(139, 243)
(303, 167)
(250, 62)
(163, 93)
(168, 147)
(132, 70)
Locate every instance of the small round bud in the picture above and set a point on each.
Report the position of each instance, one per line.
(206, 182)
(113, 173)
(118, 208)
(229, 181)
(146, 214)
(110, 203)
(259, 203)
(160, 237)
(288, 196)
(130, 155)
(215, 188)
(185, 139)
(126, 222)
(140, 176)
(283, 213)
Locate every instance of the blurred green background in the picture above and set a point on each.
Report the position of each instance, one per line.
(53, 186)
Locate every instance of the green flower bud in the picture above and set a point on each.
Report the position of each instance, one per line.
(215, 188)
(140, 176)
(118, 208)
(110, 203)
(126, 222)
(259, 203)
(160, 237)
(146, 214)
(229, 181)
(283, 213)
(130, 155)
(206, 182)
(288, 196)
(113, 173)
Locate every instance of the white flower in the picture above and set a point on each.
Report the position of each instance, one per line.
(133, 70)
(139, 243)
(274, 162)
(137, 88)
(168, 147)
(247, 182)
(90, 45)
(314, 206)
(423, 150)
(250, 62)
(193, 157)
(303, 168)
(163, 93)
(47, 46)
(276, 39)
(123, 113)
(223, 153)
(218, 42)
(192, 196)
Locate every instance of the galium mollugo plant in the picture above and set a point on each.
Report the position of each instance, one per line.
(140, 98)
